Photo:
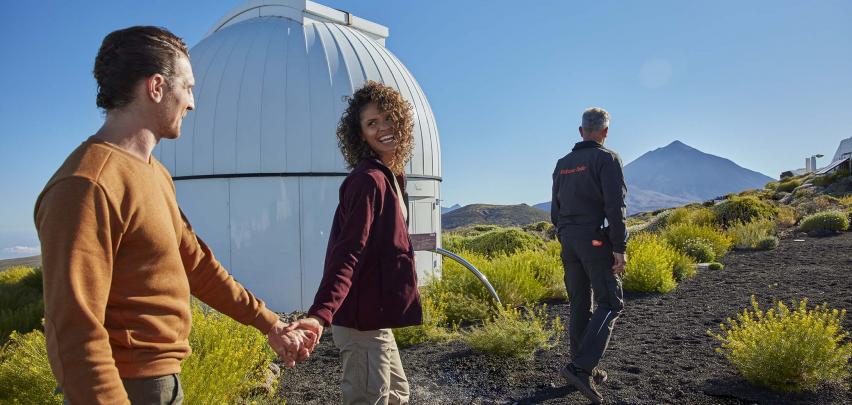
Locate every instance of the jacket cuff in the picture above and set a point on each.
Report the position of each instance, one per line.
(323, 314)
(265, 320)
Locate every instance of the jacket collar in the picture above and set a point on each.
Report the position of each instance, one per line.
(586, 145)
(374, 163)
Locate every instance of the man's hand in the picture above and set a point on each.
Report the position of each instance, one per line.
(292, 345)
(310, 324)
(619, 263)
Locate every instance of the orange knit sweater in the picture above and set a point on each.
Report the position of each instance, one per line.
(120, 262)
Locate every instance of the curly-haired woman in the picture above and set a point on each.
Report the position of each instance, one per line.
(369, 284)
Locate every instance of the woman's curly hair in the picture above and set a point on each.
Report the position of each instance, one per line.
(354, 147)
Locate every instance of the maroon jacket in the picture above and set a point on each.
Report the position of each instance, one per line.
(369, 280)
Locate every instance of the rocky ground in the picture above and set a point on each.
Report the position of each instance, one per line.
(660, 352)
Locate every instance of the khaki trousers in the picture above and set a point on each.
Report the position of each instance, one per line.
(372, 370)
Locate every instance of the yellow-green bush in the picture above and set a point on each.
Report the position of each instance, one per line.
(817, 203)
(701, 216)
(229, 360)
(683, 268)
(522, 278)
(742, 209)
(227, 363)
(21, 302)
(786, 217)
(716, 266)
(699, 249)
(787, 349)
(677, 235)
(768, 243)
(825, 222)
(515, 333)
(541, 229)
(788, 185)
(846, 200)
(650, 264)
(435, 327)
(748, 235)
(503, 241)
(25, 372)
(829, 179)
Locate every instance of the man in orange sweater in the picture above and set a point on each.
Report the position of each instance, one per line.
(119, 258)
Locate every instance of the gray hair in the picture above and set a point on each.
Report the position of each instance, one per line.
(595, 119)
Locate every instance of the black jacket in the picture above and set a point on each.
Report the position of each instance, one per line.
(588, 186)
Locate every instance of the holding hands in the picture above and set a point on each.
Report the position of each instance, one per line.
(295, 341)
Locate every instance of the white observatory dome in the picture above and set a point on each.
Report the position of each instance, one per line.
(257, 167)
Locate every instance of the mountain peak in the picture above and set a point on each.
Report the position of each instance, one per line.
(678, 145)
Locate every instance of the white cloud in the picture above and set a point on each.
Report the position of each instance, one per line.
(22, 250)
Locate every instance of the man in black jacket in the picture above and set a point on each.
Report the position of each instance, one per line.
(588, 188)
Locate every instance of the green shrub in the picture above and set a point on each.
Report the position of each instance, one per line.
(434, 327)
(473, 230)
(677, 235)
(825, 222)
(788, 185)
(768, 243)
(503, 241)
(515, 333)
(464, 308)
(716, 266)
(21, 301)
(228, 362)
(748, 235)
(699, 249)
(829, 179)
(786, 217)
(694, 215)
(683, 268)
(787, 350)
(819, 203)
(650, 264)
(845, 200)
(25, 372)
(742, 209)
(772, 185)
(228, 359)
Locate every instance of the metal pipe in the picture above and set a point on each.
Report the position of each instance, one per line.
(472, 269)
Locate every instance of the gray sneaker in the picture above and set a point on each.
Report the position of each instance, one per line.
(583, 381)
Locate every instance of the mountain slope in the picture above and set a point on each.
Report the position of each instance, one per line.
(639, 200)
(681, 171)
(447, 210)
(503, 215)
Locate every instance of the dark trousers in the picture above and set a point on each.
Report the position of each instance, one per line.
(165, 390)
(588, 277)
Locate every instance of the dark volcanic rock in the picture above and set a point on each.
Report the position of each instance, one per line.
(660, 351)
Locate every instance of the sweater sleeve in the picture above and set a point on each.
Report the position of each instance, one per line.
(615, 208)
(211, 283)
(79, 230)
(359, 205)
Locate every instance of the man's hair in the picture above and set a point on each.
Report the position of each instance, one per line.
(354, 147)
(595, 119)
(132, 54)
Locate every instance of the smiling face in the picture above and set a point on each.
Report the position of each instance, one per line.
(379, 131)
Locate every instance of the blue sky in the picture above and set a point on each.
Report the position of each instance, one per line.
(763, 83)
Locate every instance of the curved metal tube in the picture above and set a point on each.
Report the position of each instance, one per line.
(472, 269)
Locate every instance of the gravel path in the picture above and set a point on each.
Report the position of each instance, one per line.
(660, 352)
